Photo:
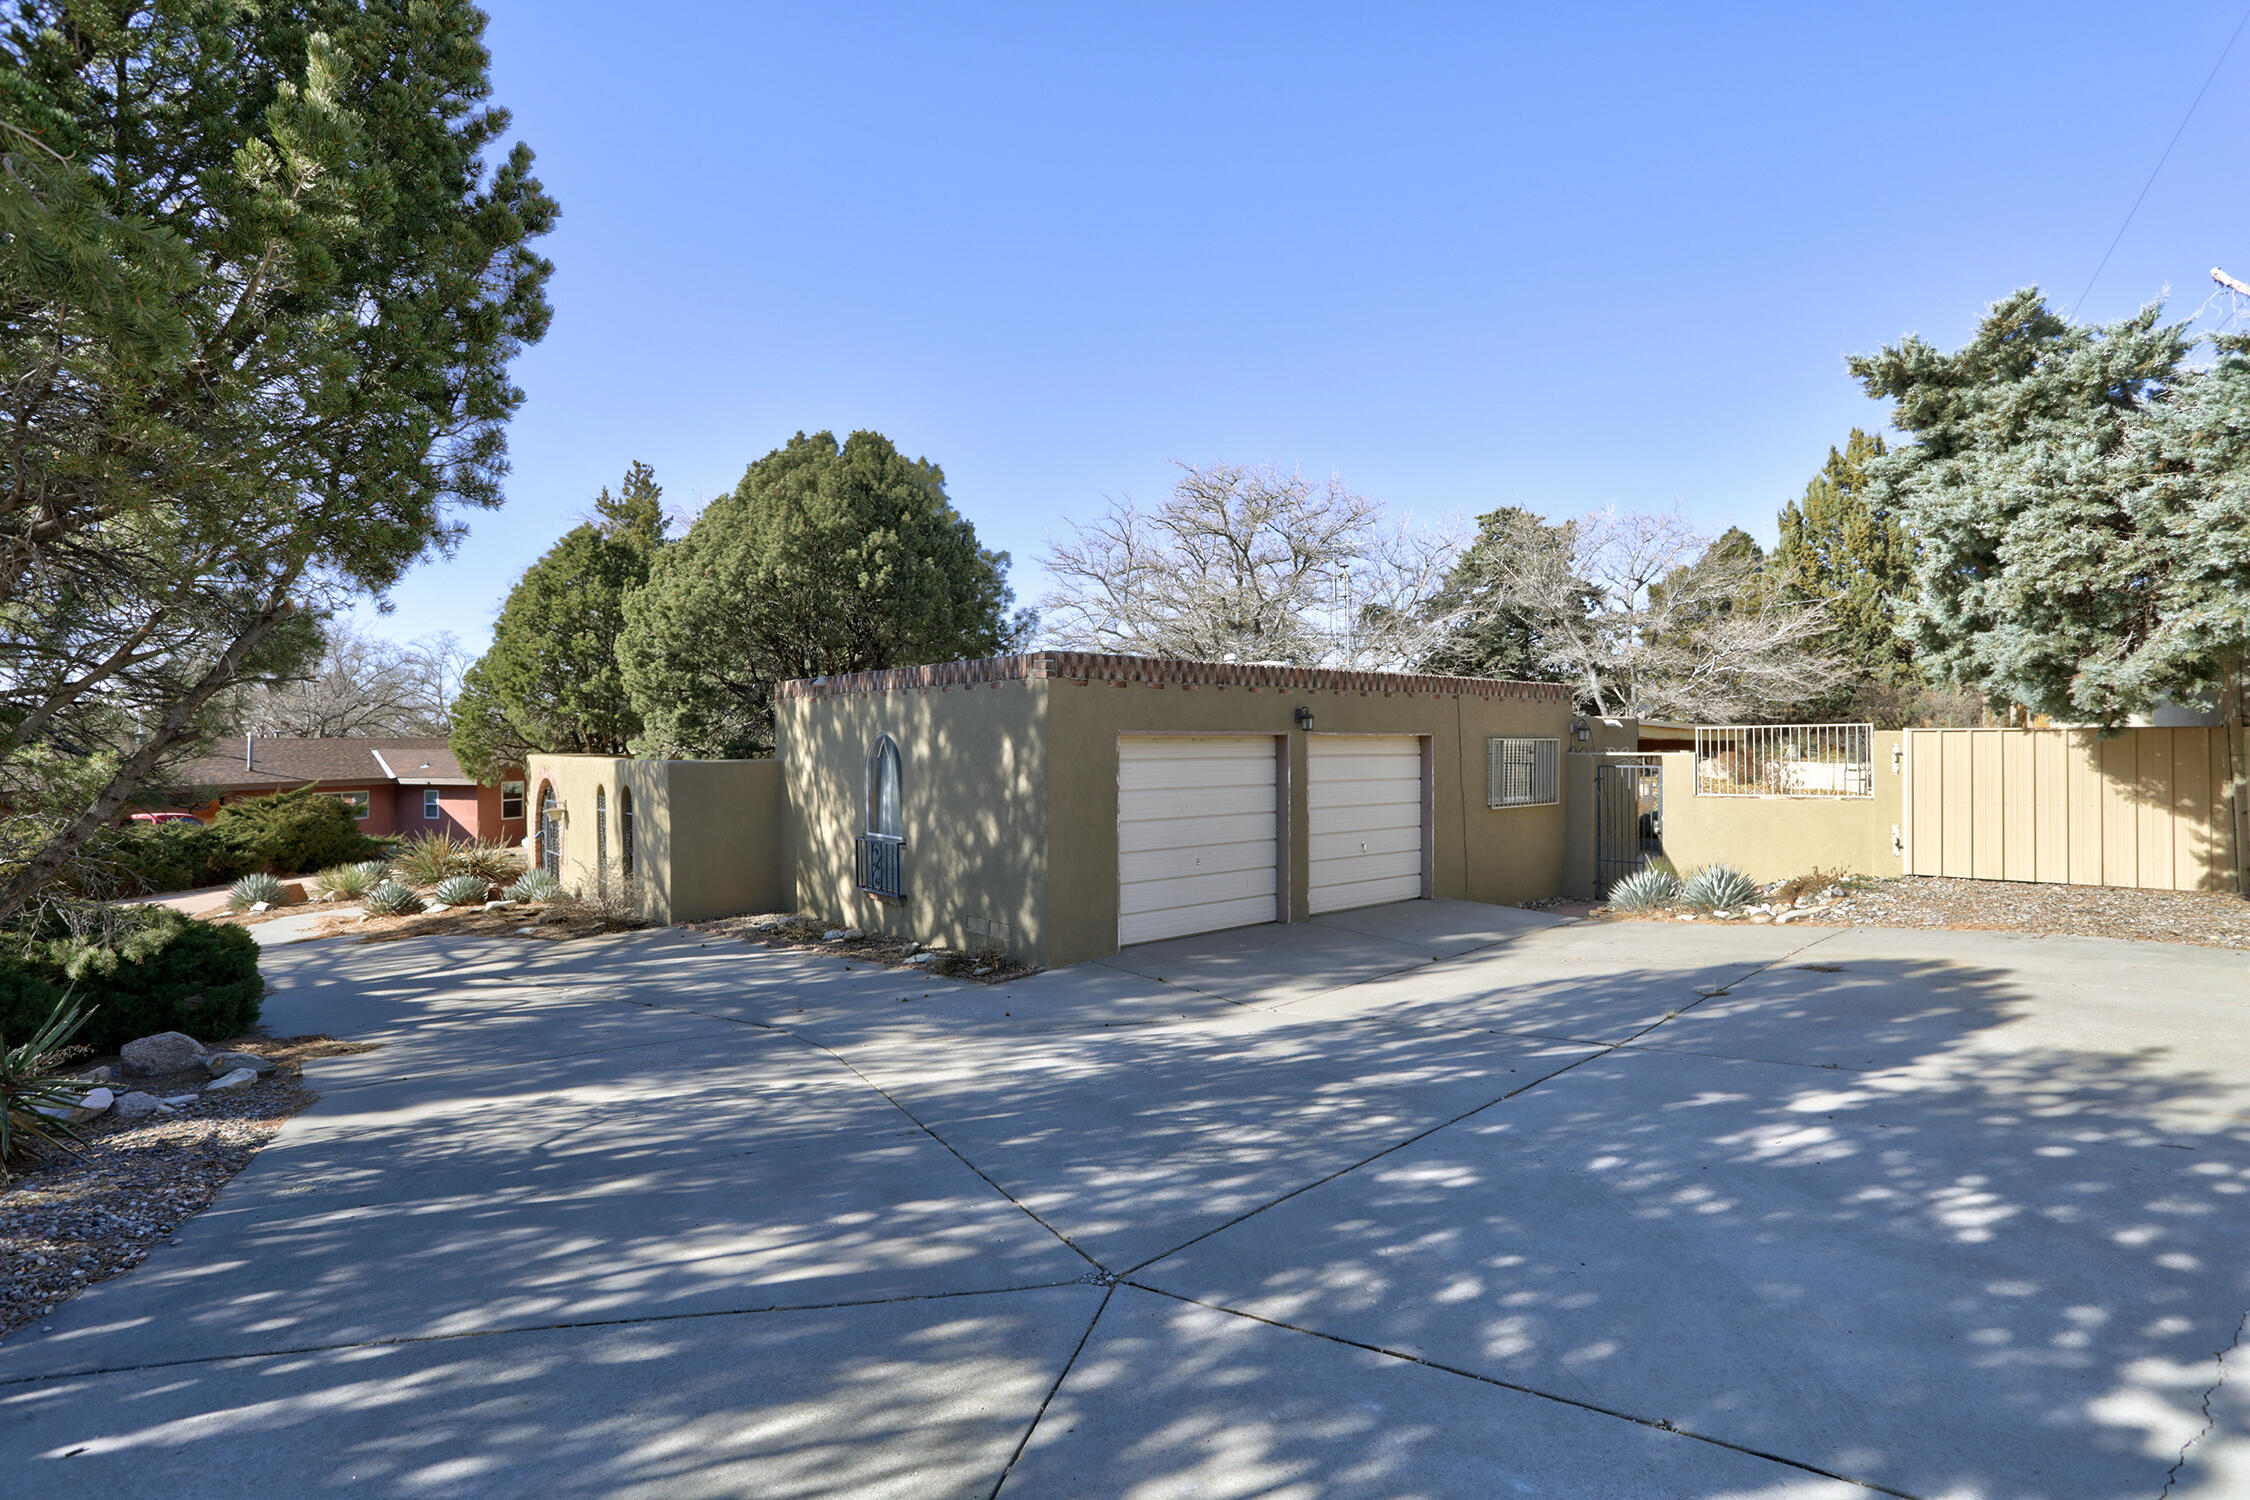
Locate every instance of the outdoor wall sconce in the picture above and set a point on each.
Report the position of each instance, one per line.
(1580, 729)
(1304, 719)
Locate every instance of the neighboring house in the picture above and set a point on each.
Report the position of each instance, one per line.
(392, 785)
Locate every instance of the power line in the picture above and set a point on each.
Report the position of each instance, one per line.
(2136, 208)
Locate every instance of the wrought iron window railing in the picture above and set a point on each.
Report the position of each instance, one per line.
(1785, 760)
(880, 865)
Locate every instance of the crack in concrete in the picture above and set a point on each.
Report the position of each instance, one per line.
(1062, 1375)
(2172, 1477)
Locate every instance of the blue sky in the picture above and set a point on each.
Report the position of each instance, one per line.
(1465, 256)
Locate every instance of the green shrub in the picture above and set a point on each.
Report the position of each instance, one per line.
(306, 829)
(535, 885)
(351, 880)
(390, 899)
(252, 889)
(157, 971)
(462, 890)
(1717, 888)
(28, 996)
(1645, 890)
(142, 858)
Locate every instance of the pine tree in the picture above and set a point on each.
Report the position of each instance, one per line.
(1838, 548)
(551, 682)
(1493, 634)
(828, 557)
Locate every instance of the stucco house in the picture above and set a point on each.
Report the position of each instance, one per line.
(411, 785)
(1057, 805)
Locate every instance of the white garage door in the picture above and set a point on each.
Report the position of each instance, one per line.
(1365, 808)
(1195, 834)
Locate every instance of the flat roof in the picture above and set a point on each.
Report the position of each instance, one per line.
(1089, 666)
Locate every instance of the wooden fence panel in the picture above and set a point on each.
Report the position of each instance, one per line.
(2153, 808)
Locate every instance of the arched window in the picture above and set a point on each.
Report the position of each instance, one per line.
(625, 830)
(601, 840)
(880, 852)
(885, 815)
(550, 831)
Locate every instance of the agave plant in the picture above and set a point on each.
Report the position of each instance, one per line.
(252, 889)
(390, 899)
(535, 885)
(30, 1087)
(428, 858)
(494, 864)
(1651, 889)
(461, 890)
(351, 880)
(1716, 888)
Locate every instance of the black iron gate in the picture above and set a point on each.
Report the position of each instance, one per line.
(1628, 820)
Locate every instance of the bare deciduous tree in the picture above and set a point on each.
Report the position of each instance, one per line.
(1252, 564)
(363, 685)
(1650, 620)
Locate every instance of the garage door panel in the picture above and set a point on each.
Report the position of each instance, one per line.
(1197, 834)
(1175, 833)
(1204, 859)
(1364, 799)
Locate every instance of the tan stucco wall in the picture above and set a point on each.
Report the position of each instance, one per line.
(973, 764)
(709, 838)
(1774, 838)
(1507, 855)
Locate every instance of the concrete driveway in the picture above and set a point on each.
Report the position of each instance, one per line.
(1433, 1200)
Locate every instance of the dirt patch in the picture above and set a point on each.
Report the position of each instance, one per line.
(555, 922)
(2211, 919)
(66, 1223)
(798, 931)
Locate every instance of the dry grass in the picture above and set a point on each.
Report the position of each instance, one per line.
(795, 930)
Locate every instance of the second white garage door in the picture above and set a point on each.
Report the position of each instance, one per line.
(1196, 846)
(1365, 808)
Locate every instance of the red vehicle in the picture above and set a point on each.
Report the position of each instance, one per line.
(163, 817)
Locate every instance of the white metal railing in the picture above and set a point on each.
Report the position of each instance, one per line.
(1784, 760)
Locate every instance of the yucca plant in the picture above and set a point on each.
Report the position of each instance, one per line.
(1651, 889)
(1717, 888)
(390, 899)
(30, 1085)
(351, 880)
(494, 864)
(535, 885)
(252, 889)
(461, 890)
(428, 858)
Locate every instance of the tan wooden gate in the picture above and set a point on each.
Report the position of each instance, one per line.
(2153, 808)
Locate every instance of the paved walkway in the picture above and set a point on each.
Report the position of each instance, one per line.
(1436, 1200)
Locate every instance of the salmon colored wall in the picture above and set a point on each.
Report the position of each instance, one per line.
(465, 812)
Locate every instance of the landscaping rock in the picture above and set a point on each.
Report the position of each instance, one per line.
(174, 1101)
(139, 1106)
(106, 1073)
(841, 934)
(261, 906)
(921, 958)
(222, 1063)
(165, 1052)
(240, 1078)
(498, 905)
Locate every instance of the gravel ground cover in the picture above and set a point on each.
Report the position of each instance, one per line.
(67, 1223)
(2214, 919)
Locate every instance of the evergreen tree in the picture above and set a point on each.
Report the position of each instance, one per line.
(1494, 634)
(261, 277)
(1839, 548)
(2078, 496)
(828, 557)
(551, 682)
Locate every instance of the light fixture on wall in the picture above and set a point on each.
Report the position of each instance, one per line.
(1580, 729)
(1304, 719)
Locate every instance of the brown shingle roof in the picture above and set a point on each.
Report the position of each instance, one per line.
(278, 762)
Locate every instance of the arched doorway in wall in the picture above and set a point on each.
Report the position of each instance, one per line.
(550, 831)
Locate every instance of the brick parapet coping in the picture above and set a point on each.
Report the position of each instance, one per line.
(1087, 666)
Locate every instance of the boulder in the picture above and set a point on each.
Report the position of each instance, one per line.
(921, 958)
(293, 894)
(220, 1064)
(90, 1104)
(240, 1078)
(138, 1106)
(841, 934)
(165, 1052)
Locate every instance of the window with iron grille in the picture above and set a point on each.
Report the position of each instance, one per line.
(625, 830)
(1522, 772)
(879, 854)
(601, 840)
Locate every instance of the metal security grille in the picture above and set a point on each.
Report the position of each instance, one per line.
(1522, 772)
(880, 865)
(1628, 820)
(601, 840)
(1784, 760)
